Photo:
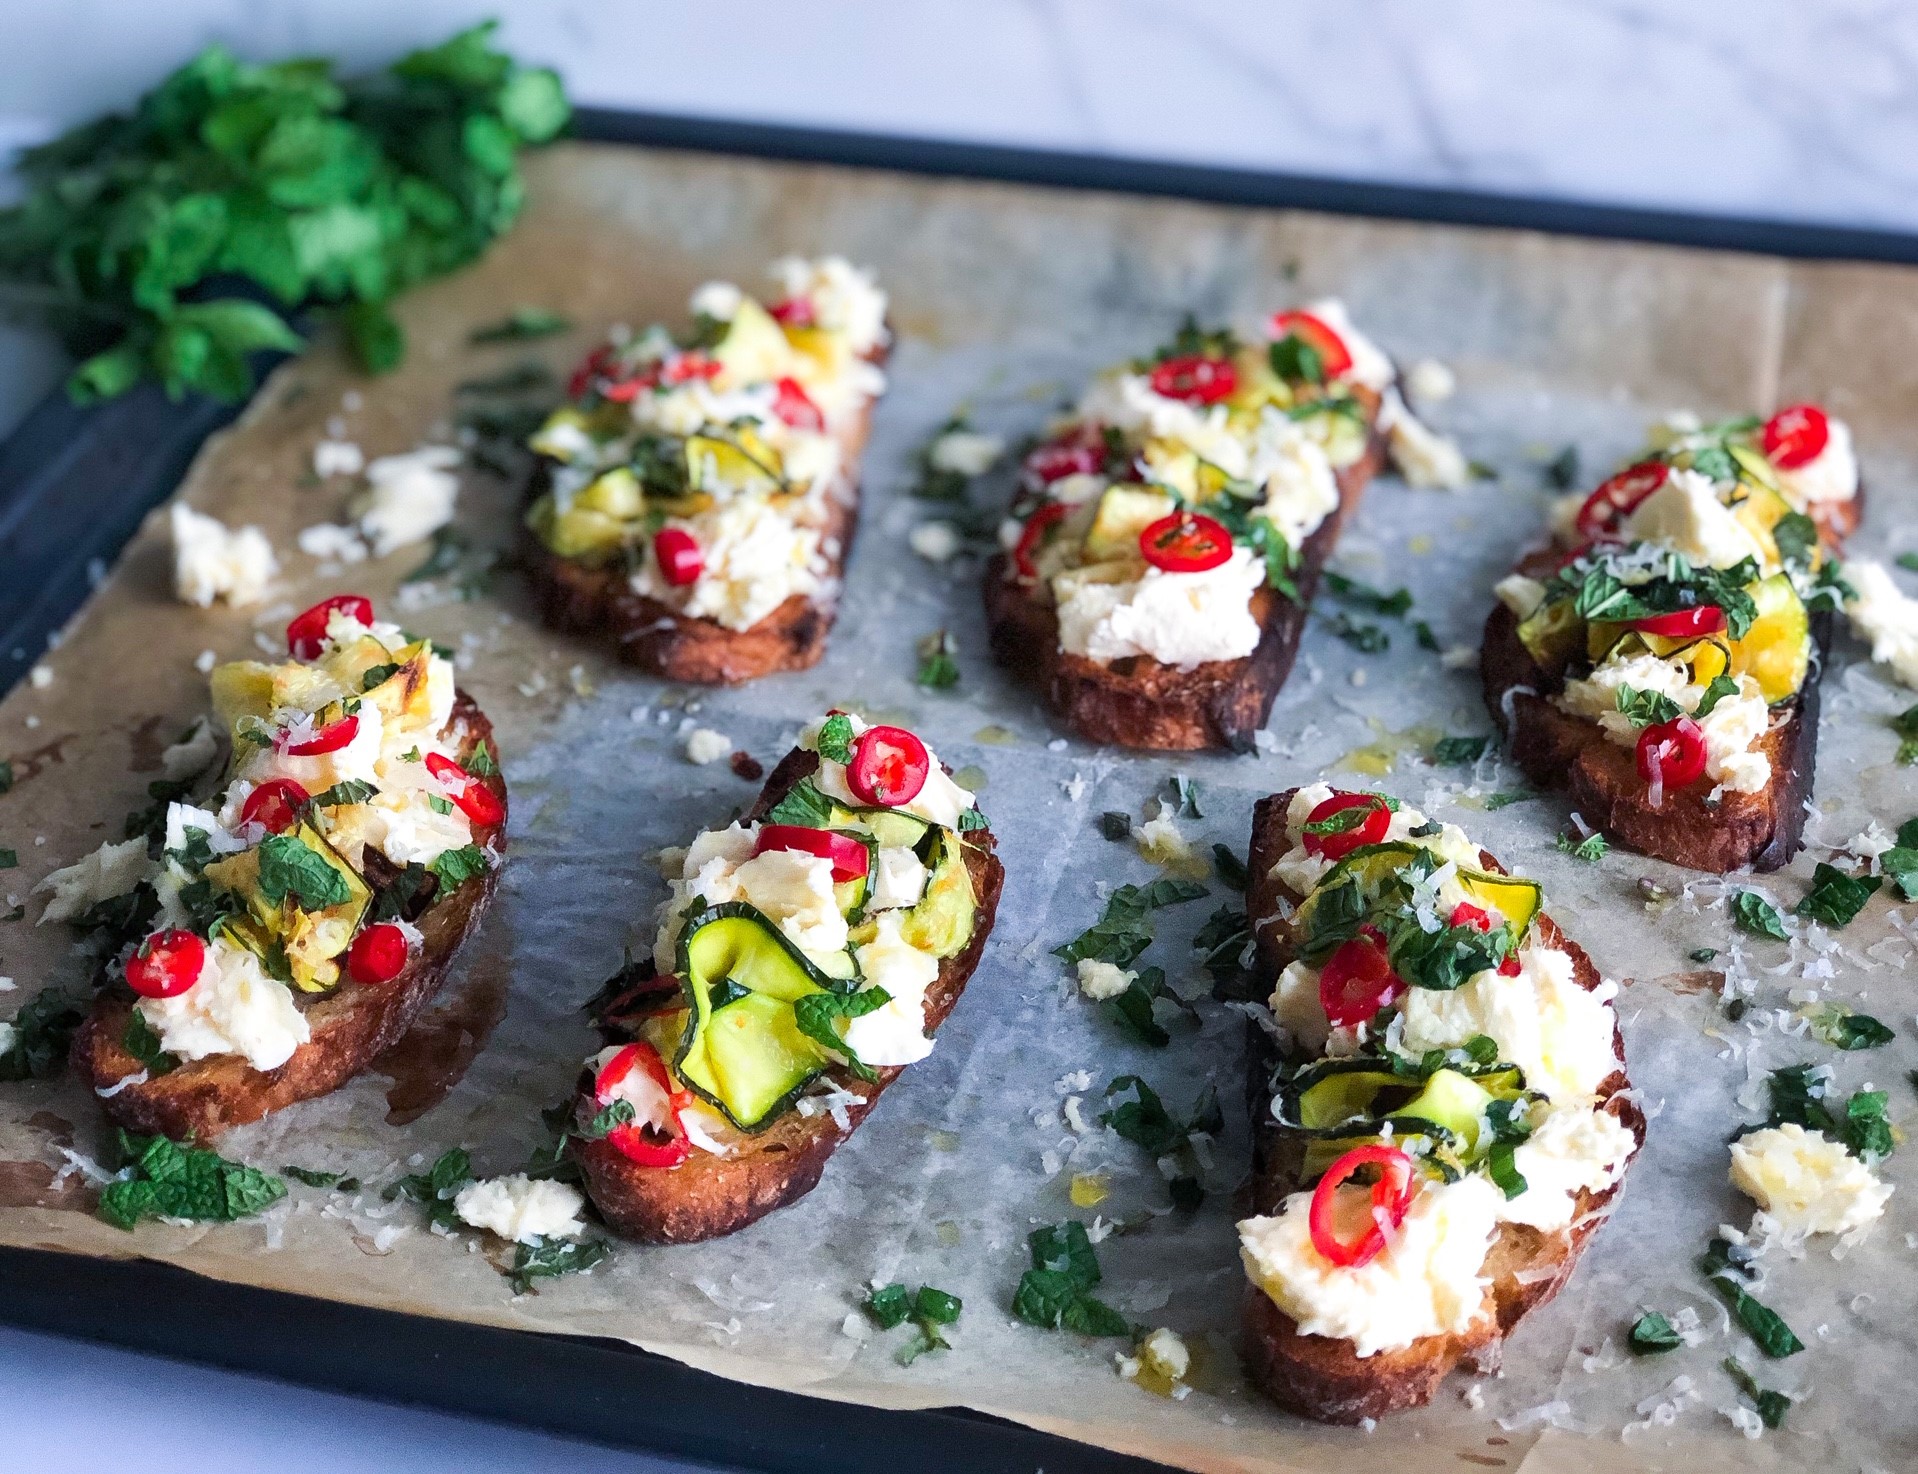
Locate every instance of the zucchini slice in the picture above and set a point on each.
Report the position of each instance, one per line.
(743, 1050)
(1373, 867)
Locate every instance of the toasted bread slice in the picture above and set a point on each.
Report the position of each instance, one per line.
(598, 599)
(1322, 1377)
(1762, 830)
(350, 1025)
(707, 1196)
(1139, 702)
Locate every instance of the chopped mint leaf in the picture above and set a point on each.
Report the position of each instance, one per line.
(1450, 752)
(1561, 471)
(1758, 916)
(1772, 1406)
(1850, 1031)
(1369, 639)
(1364, 596)
(42, 1030)
(889, 1306)
(803, 805)
(377, 675)
(1721, 686)
(550, 1258)
(436, 1188)
(1723, 1266)
(835, 738)
(143, 1044)
(1115, 825)
(1124, 931)
(938, 662)
(311, 1177)
(1053, 1293)
(1647, 708)
(971, 819)
(1653, 1333)
(439, 804)
(1185, 796)
(455, 867)
(1835, 897)
(1504, 798)
(9, 860)
(1592, 848)
(482, 764)
(1226, 941)
(524, 323)
(174, 1181)
(1905, 724)
(1702, 954)
(351, 791)
(815, 1012)
(291, 869)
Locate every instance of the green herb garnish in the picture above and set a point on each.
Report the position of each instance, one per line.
(1451, 752)
(526, 322)
(1728, 1277)
(835, 738)
(550, 1258)
(1053, 1294)
(938, 662)
(291, 869)
(174, 1181)
(42, 1030)
(435, 1188)
(1755, 914)
(1835, 897)
(1772, 1406)
(1123, 932)
(1653, 1333)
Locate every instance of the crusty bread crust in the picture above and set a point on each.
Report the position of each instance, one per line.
(707, 1196)
(579, 598)
(1557, 750)
(350, 1026)
(1319, 1376)
(1138, 702)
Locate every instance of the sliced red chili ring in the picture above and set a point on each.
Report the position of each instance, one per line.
(1479, 919)
(166, 964)
(473, 798)
(595, 365)
(850, 858)
(1195, 378)
(1081, 451)
(1683, 624)
(1336, 844)
(889, 766)
(330, 738)
(1186, 542)
(275, 805)
(378, 955)
(1357, 980)
(1672, 753)
(682, 368)
(1606, 509)
(794, 312)
(639, 1142)
(678, 555)
(1391, 1199)
(1318, 335)
(1796, 436)
(1033, 535)
(794, 405)
(306, 631)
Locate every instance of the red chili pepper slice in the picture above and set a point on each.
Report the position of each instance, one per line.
(1081, 451)
(330, 738)
(275, 804)
(1479, 919)
(682, 368)
(850, 859)
(638, 1142)
(794, 312)
(1672, 753)
(1337, 845)
(166, 964)
(593, 366)
(678, 555)
(1682, 624)
(306, 633)
(889, 766)
(378, 955)
(1316, 334)
(1186, 542)
(794, 405)
(1357, 980)
(473, 798)
(1391, 1198)
(1606, 509)
(1032, 537)
(1796, 436)
(1195, 378)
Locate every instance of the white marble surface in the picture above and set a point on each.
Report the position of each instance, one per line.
(1774, 108)
(1770, 108)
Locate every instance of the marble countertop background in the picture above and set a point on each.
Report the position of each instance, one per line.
(1757, 108)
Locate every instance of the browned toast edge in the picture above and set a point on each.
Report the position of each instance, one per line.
(350, 1026)
(1321, 1377)
(1138, 702)
(708, 1196)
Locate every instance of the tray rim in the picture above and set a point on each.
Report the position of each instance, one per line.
(575, 1385)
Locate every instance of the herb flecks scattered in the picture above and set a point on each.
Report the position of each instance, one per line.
(1055, 1294)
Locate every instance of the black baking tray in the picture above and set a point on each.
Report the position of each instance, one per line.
(74, 486)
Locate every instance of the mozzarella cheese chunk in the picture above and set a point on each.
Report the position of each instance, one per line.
(1301, 489)
(1686, 516)
(898, 880)
(1520, 594)
(1569, 1152)
(522, 1209)
(845, 299)
(1886, 618)
(704, 746)
(233, 1008)
(755, 556)
(1424, 457)
(108, 873)
(212, 561)
(409, 497)
(1559, 1034)
(1102, 980)
(1805, 1181)
(1296, 1005)
(895, 1032)
(1178, 619)
(1425, 1282)
(965, 452)
(1832, 476)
